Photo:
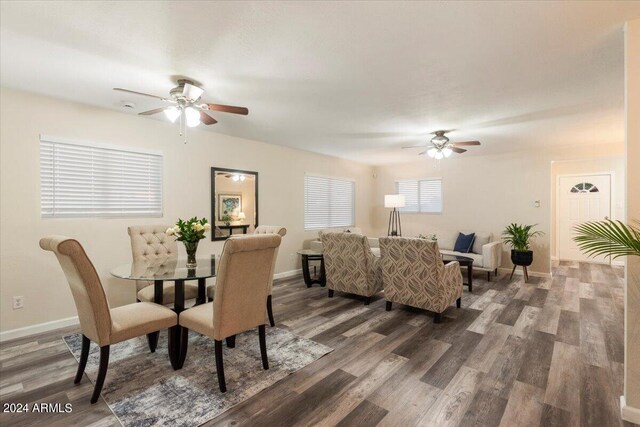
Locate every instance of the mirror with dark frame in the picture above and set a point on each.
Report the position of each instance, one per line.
(234, 202)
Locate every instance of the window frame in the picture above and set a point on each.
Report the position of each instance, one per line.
(329, 177)
(418, 181)
(102, 146)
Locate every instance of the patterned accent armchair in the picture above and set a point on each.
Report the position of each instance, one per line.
(350, 265)
(414, 274)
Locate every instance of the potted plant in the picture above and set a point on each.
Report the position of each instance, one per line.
(610, 238)
(519, 237)
(190, 233)
(226, 218)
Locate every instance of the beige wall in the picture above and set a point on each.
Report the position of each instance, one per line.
(614, 165)
(28, 271)
(486, 193)
(632, 294)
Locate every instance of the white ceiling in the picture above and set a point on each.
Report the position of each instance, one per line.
(356, 80)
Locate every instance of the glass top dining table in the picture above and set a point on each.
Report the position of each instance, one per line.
(166, 269)
(174, 271)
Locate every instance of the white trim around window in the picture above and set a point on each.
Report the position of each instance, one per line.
(421, 195)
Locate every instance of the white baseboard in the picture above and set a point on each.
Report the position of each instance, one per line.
(38, 329)
(519, 272)
(286, 274)
(629, 413)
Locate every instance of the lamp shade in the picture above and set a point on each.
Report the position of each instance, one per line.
(241, 215)
(394, 201)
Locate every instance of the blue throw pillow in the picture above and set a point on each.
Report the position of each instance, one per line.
(464, 242)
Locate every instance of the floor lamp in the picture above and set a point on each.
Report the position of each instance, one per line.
(394, 201)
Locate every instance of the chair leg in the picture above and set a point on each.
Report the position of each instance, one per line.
(330, 293)
(367, 300)
(84, 356)
(388, 308)
(220, 366)
(488, 276)
(102, 373)
(231, 341)
(512, 271)
(437, 318)
(495, 272)
(270, 312)
(152, 339)
(459, 302)
(263, 347)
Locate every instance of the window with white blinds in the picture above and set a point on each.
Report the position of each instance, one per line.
(421, 195)
(328, 202)
(80, 180)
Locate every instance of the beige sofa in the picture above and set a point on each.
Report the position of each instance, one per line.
(486, 253)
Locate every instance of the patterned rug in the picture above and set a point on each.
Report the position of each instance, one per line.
(142, 389)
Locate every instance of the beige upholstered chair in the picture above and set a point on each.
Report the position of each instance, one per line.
(246, 268)
(281, 231)
(100, 323)
(350, 265)
(414, 274)
(150, 242)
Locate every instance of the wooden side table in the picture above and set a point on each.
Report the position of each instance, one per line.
(310, 255)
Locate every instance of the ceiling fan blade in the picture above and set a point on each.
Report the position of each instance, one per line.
(463, 143)
(458, 150)
(207, 119)
(150, 112)
(141, 93)
(192, 92)
(422, 153)
(416, 146)
(228, 109)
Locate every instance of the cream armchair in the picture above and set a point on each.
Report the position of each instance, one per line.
(246, 269)
(98, 322)
(414, 275)
(150, 243)
(350, 265)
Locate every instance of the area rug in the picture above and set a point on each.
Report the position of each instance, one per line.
(142, 389)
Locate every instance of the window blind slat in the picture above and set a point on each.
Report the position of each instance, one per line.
(328, 202)
(421, 195)
(79, 180)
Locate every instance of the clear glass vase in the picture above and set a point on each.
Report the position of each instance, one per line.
(191, 248)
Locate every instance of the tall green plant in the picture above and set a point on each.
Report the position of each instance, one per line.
(519, 236)
(610, 238)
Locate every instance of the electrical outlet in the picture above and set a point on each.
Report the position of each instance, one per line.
(18, 302)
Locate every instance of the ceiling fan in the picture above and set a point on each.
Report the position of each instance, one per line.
(184, 105)
(440, 146)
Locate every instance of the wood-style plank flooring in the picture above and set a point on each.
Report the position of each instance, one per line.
(548, 352)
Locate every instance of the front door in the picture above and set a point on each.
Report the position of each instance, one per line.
(581, 199)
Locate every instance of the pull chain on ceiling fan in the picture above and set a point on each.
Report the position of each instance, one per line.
(184, 100)
(441, 148)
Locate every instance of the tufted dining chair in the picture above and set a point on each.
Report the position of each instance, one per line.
(151, 243)
(246, 269)
(98, 322)
(414, 275)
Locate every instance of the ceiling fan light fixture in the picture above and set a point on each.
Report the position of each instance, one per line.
(193, 117)
(439, 139)
(447, 151)
(172, 113)
(431, 152)
(439, 155)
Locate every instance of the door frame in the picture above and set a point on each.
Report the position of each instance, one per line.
(612, 215)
